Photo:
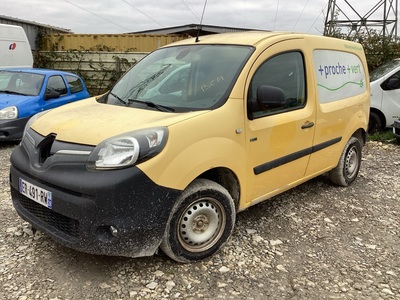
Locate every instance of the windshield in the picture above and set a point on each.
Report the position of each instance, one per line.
(382, 70)
(182, 78)
(20, 83)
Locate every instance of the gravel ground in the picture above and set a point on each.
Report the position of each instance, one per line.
(317, 241)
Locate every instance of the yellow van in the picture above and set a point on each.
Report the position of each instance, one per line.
(192, 134)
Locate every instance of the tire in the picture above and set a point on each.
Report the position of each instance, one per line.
(201, 222)
(349, 164)
(375, 123)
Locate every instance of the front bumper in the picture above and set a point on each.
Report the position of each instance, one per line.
(11, 130)
(118, 212)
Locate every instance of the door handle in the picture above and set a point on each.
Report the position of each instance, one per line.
(307, 125)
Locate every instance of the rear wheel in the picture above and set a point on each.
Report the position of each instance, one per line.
(349, 164)
(375, 123)
(201, 223)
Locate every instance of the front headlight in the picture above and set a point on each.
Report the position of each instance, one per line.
(127, 149)
(9, 113)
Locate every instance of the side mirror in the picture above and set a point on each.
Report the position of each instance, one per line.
(270, 96)
(51, 95)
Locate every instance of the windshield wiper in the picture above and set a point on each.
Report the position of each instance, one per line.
(12, 92)
(148, 103)
(154, 105)
(137, 90)
(119, 98)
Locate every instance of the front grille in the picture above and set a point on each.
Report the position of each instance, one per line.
(60, 222)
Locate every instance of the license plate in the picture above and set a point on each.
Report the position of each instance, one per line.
(35, 193)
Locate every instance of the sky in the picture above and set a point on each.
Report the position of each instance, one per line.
(122, 16)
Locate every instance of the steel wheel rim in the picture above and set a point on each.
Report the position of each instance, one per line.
(351, 162)
(201, 225)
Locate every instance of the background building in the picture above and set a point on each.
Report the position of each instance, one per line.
(32, 29)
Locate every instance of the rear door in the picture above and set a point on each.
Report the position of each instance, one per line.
(279, 140)
(391, 98)
(342, 90)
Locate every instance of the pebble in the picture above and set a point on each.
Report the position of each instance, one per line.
(275, 242)
(281, 268)
(170, 285)
(387, 291)
(224, 269)
(152, 285)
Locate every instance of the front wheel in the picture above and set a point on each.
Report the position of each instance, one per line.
(349, 164)
(202, 221)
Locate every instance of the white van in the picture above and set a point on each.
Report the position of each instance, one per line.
(385, 96)
(15, 50)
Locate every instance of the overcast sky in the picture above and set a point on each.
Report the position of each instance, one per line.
(121, 16)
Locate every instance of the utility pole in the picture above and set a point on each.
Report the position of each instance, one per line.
(337, 17)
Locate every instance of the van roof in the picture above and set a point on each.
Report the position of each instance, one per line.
(250, 38)
(12, 33)
(258, 38)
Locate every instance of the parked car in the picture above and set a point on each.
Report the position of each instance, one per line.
(15, 50)
(25, 92)
(385, 96)
(192, 134)
(396, 130)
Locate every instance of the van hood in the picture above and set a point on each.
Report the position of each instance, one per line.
(89, 122)
(7, 100)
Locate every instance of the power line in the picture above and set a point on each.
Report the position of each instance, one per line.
(305, 5)
(92, 13)
(190, 7)
(143, 13)
(284, 13)
(276, 14)
(322, 11)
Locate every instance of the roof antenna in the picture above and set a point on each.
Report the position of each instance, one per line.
(201, 22)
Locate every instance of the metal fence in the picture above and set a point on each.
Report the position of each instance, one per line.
(112, 42)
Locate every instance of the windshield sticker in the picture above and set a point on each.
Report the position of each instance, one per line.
(339, 75)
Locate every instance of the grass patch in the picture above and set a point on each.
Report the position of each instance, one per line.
(386, 136)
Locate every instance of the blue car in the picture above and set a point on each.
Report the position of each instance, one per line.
(25, 92)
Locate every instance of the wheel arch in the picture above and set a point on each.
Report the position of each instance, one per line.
(349, 163)
(361, 134)
(380, 114)
(227, 179)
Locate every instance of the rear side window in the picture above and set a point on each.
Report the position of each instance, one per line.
(284, 71)
(339, 75)
(74, 83)
(56, 83)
